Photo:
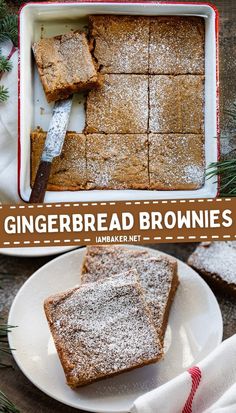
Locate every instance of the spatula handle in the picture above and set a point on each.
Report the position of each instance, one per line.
(40, 183)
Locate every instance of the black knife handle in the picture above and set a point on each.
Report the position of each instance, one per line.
(40, 183)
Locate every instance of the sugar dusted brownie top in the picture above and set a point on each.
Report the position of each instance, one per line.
(102, 329)
(120, 43)
(65, 65)
(158, 275)
(216, 260)
(176, 161)
(68, 172)
(117, 161)
(119, 106)
(176, 45)
(176, 104)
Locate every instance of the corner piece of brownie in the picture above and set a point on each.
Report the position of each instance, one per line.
(176, 162)
(68, 171)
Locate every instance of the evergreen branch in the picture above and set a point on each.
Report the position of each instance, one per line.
(4, 95)
(9, 28)
(226, 170)
(6, 406)
(4, 347)
(3, 9)
(5, 64)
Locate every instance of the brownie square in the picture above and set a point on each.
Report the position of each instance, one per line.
(216, 262)
(158, 276)
(176, 45)
(117, 161)
(102, 329)
(176, 161)
(119, 106)
(176, 104)
(65, 65)
(68, 172)
(120, 43)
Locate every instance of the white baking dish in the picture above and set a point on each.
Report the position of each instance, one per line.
(48, 19)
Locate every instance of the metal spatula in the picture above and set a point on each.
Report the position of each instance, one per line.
(52, 147)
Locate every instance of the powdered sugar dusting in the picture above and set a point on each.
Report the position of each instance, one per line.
(104, 328)
(120, 106)
(176, 161)
(176, 45)
(117, 161)
(155, 273)
(121, 43)
(193, 173)
(217, 258)
(176, 104)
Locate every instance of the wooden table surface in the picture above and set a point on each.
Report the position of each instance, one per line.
(15, 271)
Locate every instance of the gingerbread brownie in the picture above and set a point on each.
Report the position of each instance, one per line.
(158, 276)
(65, 65)
(120, 43)
(119, 106)
(68, 171)
(117, 161)
(176, 45)
(102, 329)
(176, 104)
(216, 262)
(176, 161)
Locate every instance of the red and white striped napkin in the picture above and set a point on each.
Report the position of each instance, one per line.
(209, 387)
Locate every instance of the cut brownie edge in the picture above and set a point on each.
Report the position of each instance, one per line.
(157, 274)
(90, 351)
(65, 65)
(216, 262)
(68, 171)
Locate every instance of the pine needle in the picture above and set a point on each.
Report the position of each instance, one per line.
(6, 406)
(226, 170)
(4, 347)
(9, 28)
(4, 94)
(5, 64)
(3, 9)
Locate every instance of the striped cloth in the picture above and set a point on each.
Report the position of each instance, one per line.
(209, 387)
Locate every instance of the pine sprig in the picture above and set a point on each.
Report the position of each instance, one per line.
(226, 171)
(9, 28)
(3, 9)
(4, 347)
(4, 94)
(6, 406)
(5, 64)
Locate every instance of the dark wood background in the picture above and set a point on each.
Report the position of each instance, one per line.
(15, 270)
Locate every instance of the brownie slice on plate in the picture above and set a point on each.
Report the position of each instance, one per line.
(158, 276)
(102, 329)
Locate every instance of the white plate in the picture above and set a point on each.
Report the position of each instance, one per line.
(194, 330)
(35, 251)
(49, 19)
